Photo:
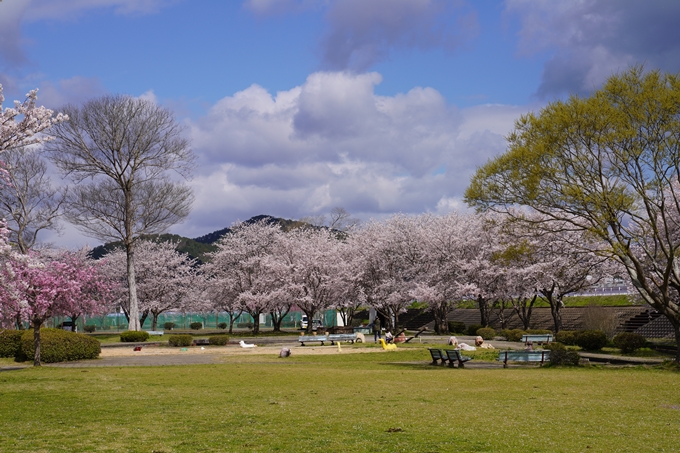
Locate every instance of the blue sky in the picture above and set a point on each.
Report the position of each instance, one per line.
(294, 107)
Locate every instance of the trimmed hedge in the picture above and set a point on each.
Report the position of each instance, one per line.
(591, 340)
(513, 334)
(473, 328)
(220, 340)
(196, 325)
(10, 342)
(564, 357)
(57, 345)
(629, 342)
(223, 325)
(90, 328)
(555, 346)
(180, 340)
(487, 333)
(456, 327)
(134, 336)
(567, 337)
(168, 325)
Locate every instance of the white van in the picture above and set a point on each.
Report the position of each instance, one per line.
(304, 322)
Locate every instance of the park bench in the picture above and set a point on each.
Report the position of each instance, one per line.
(454, 355)
(523, 356)
(155, 332)
(537, 338)
(351, 337)
(201, 342)
(437, 354)
(307, 339)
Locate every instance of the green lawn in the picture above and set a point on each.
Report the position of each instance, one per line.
(381, 402)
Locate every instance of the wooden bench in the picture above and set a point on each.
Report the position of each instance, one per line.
(307, 339)
(537, 338)
(437, 354)
(201, 342)
(155, 332)
(454, 355)
(351, 337)
(523, 356)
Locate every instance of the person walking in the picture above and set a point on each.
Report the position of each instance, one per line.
(376, 329)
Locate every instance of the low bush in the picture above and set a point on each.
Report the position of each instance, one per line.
(219, 340)
(567, 337)
(512, 334)
(90, 328)
(169, 325)
(244, 325)
(562, 357)
(196, 325)
(473, 328)
(223, 325)
(629, 342)
(555, 346)
(58, 345)
(456, 327)
(487, 333)
(591, 340)
(180, 340)
(10, 342)
(134, 336)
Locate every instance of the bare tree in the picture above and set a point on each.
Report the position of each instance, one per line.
(28, 202)
(121, 152)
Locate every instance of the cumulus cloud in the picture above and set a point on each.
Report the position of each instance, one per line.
(333, 142)
(589, 41)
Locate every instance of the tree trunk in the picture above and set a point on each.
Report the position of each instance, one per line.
(20, 325)
(145, 314)
(232, 320)
(523, 308)
(133, 321)
(310, 320)
(484, 310)
(36, 341)
(440, 315)
(555, 310)
(154, 320)
(676, 327)
(277, 318)
(256, 322)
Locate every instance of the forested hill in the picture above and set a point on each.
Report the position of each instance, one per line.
(199, 247)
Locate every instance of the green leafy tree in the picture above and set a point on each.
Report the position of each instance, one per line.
(607, 164)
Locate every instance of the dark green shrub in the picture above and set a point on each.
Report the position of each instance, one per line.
(512, 334)
(134, 336)
(456, 327)
(90, 328)
(180, 340)
(561, 357)
(567, 337)
(539, 332)
(555, 346)
(58, 345)
(472, 329)
(169, 325)
(223, 325)
(219, 340)
(629, 342)
(487, 333)
(10, 342)
(196, 325)
(591, 340)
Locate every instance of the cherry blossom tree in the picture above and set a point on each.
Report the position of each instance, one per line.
(165, 279)
(40, 288)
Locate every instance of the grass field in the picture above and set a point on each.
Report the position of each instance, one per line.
(381, 402)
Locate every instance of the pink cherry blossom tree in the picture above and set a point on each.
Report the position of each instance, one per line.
(41, 287)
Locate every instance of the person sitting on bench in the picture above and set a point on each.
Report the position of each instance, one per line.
(389, 338)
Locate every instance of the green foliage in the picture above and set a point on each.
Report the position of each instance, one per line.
(169, 325)
(90, 328)
(512, 334)
(134, 336)
(196, 325)
(591, 340)
(487, 333)
(57, 345)
(567, 337)
(10, 342)
(629, 342)
(223, 325)
(456, 327)
(555, 346)
(180, 340)
(218, 340)
(564, 357)
(473, 328)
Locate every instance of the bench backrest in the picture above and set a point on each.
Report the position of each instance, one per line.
(436, 354)
(525, 356)
(312, 338)
(342, 336)
(537, 337)
(453, 354)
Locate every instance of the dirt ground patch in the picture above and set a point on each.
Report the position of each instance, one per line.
(231, 350)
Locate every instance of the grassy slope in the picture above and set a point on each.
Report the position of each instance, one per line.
(338, 403)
